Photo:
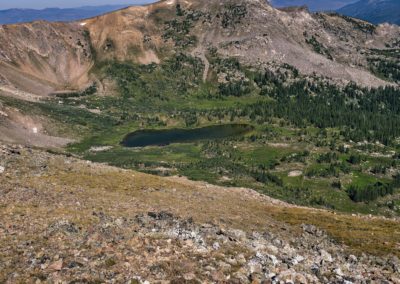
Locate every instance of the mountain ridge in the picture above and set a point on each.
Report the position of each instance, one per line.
(110, 37)
(17, 15)
(313, 5)
(375, 11)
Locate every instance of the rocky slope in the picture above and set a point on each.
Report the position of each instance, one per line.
(69, 221)
(42, 57)
(17, 127)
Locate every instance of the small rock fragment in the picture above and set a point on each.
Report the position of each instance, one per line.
(326, 256)
(57, 265)
(216, 246)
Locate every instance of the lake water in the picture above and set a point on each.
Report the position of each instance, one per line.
(142, 138)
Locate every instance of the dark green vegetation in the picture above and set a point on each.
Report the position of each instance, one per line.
(385, 64)
(365, 27)
(233, 15)
(178, 29)
(369, 192)
(88, 91)
(317, 46)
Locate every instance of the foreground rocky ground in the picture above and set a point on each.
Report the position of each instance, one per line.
(63, 220)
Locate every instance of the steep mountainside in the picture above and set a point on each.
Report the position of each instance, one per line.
(59, 56)
(253, 31)
(41, 57)
(374, 11)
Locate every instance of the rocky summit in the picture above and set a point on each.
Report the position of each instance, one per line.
(194, 141)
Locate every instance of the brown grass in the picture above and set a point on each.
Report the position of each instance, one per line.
(127, 193)
(376, 236)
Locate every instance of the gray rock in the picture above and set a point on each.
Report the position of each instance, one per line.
(338, 272)
(254, 266)
(394, 263)
(297, 259)
(326, 256)
(241, 277)
(232, 261)
(216, 246)
(63, 226)
(189, 276)
(223, 266)
(273, 249)
(237, 234)
(277, 242)
(315, 268)
(241, 259)
(272, 259)
(119, 222)
(353, 259)
(312, 230)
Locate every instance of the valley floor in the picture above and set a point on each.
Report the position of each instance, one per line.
(65, 220)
